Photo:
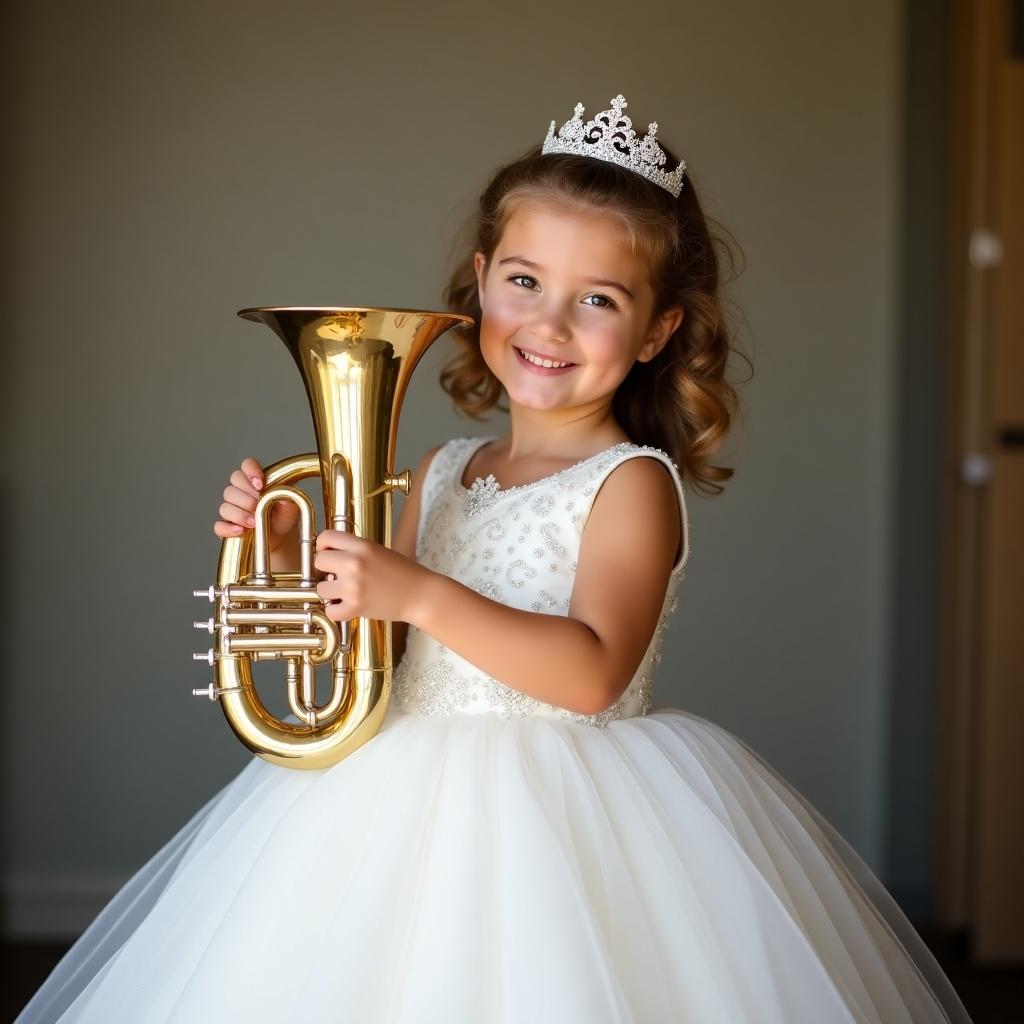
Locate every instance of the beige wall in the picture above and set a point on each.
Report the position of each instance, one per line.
(176, 162)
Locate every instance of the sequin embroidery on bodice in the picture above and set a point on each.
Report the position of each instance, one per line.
(519, 546)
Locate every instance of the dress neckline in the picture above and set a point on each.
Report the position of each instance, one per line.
(496, 489)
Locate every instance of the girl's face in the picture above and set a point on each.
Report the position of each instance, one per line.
(564, 287)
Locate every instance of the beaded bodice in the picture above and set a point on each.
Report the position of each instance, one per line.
(519, 546)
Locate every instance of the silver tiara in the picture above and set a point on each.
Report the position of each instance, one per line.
(610, 137)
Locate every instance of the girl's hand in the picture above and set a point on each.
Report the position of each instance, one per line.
(240, 497)
(366, 580)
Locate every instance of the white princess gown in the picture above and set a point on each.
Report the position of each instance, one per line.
(490, 859)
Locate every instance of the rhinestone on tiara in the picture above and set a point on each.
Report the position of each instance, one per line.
(610, 136)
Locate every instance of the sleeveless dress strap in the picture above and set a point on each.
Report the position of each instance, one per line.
(646, 451)
(448, 460)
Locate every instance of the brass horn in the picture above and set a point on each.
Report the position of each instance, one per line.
(355, 364)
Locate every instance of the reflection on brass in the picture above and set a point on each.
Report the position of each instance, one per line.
(355, 364)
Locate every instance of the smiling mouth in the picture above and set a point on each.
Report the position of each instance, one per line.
(542, 362)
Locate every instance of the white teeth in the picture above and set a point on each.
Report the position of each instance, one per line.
(540, 362)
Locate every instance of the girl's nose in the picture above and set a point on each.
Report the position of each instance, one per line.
(550, 325)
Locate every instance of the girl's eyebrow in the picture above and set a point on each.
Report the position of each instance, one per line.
(590, 280)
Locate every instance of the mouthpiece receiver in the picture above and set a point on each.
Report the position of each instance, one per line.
(399, 482)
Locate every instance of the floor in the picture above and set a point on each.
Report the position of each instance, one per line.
(991, 995)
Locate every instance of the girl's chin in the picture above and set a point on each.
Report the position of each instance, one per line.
(527, 399)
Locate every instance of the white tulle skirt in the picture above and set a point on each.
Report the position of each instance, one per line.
(476, 870)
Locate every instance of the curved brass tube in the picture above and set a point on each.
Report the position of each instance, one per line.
(355, 364)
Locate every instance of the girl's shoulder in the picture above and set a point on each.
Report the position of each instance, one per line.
(441, 465)
(637, 495)
(450, 457)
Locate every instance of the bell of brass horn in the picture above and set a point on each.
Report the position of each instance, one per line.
(355, 364)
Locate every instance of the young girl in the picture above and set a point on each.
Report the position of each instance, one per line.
(525, 839)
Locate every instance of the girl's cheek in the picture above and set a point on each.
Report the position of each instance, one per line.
(496, 329)
(492, 334)
(607, 345)
(502, 314)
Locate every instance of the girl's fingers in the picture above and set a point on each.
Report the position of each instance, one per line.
(241, 498)
(242, 482)
(233, 514)
(253, 472)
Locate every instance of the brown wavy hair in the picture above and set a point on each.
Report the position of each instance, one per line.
(680, 401)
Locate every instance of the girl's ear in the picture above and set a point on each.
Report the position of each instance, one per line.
(480, 266)
(661, 330)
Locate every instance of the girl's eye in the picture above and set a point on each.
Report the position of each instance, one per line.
(523, 277)
(608, 303)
